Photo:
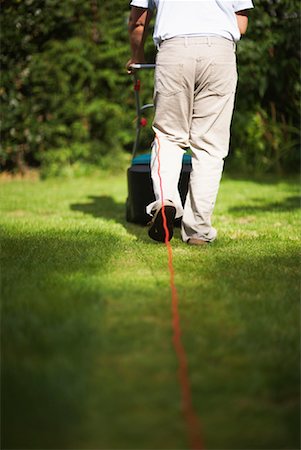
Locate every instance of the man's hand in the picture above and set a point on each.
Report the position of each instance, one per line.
(132, 61)
(138, 26)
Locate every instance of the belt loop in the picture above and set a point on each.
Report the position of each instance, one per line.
(186, 41)
(209, 41)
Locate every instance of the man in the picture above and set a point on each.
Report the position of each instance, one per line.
(195, 83)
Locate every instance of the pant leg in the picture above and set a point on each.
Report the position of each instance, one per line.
(215, 86)
(166, 165)
(173, 99)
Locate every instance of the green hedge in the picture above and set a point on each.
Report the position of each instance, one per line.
(66, 99)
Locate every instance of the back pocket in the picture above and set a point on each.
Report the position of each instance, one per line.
(169, 79)
(223, 78)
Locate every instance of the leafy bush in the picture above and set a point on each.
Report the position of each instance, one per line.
(66, 98)
(265, 131)
(63, 83)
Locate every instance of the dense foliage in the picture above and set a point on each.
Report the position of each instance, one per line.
(66, 98)
(267, 118)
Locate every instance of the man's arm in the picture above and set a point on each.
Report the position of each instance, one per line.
(138, 26)
(242, 21)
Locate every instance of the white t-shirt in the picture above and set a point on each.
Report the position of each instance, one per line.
(195, 17)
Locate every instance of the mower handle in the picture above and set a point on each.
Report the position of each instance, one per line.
(139, 109)
(142, 66)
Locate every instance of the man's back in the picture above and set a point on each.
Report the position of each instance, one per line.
(195, 17)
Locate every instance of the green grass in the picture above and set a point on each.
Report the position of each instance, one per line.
(87, 356)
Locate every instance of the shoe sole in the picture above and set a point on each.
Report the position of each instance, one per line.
(157, 231)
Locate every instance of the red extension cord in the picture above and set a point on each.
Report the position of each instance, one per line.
(190, 416)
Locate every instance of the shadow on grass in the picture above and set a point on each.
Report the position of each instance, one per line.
(73, 347)
(81, 364)
(288, 204)
(51, 321)
(103, 206)
(106, 207)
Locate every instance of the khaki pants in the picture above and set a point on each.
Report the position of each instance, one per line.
(195, 82)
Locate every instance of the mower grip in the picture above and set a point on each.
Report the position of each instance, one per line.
(142, 66)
